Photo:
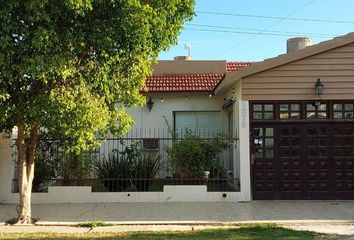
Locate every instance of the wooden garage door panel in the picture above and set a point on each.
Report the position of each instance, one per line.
(343, 145)
(318, 159)
(291, 165)
(309, 161)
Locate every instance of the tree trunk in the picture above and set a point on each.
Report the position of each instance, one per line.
(25, 167)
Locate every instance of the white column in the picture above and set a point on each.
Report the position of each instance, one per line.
(244, 149)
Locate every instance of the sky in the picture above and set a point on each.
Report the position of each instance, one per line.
(222, 37)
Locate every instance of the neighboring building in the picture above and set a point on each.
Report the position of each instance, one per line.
(289, 120)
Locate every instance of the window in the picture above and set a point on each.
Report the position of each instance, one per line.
(263, 111)
(289, 111)
(302, 110)
(204, 124)
(150, 144)
(343, 111)
(263, 142)
(314, 111)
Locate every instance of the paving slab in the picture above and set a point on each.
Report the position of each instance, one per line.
(121, 228)
(34, 229)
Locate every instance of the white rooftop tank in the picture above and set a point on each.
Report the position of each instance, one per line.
(297, 43)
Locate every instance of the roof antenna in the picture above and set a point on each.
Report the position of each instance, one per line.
(188, 47)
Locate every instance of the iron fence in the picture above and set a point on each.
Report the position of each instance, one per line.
(142, 160)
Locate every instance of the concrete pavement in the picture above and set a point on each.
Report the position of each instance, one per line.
(307, 214)
(190, 213)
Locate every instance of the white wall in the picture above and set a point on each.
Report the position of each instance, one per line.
(74, 194)
(244, 148)
(144, 119)
(152, 124)
(6, 168)
(241, 131)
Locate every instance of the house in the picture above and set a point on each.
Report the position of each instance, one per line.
(289, 122)
(298, 113)
(179, 97)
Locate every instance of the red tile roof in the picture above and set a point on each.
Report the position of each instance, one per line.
(203, 82)
(183, 82)
(233, 66)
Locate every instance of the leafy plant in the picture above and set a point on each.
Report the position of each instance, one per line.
(75, 168)
(53, 162)
(191, 156)
(123, 170)
(111, 170)
(147, 165)
(47, 163)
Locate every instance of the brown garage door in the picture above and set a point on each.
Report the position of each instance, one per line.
(303, 160)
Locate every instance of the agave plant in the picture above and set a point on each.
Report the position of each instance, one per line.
(146, 166)
(120, 172)
(112, 169)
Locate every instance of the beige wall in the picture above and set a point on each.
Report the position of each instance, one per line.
(189, 67)
(296, 80)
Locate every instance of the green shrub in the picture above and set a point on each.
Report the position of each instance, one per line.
(192, 156)
(52, 162)
(74, 169)
(47, 161)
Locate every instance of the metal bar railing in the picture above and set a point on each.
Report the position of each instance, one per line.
(141, 160)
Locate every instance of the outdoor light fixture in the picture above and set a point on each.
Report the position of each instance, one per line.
(319, 87)
(210, 95)
(228, 103)
(150, 104)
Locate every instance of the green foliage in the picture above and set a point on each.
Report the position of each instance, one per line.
(191, 156)
(93, 224)
(72, 66)
(47, 163)
(74, 169)
(53, 162)
(223, 233)
(126, 167)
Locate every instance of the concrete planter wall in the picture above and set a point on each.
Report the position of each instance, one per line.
(83, 194)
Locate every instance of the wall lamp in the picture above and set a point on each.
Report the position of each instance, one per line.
(150, 103)
(319, 87)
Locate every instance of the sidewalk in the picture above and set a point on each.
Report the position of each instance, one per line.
(290, 213)
(189, 213)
